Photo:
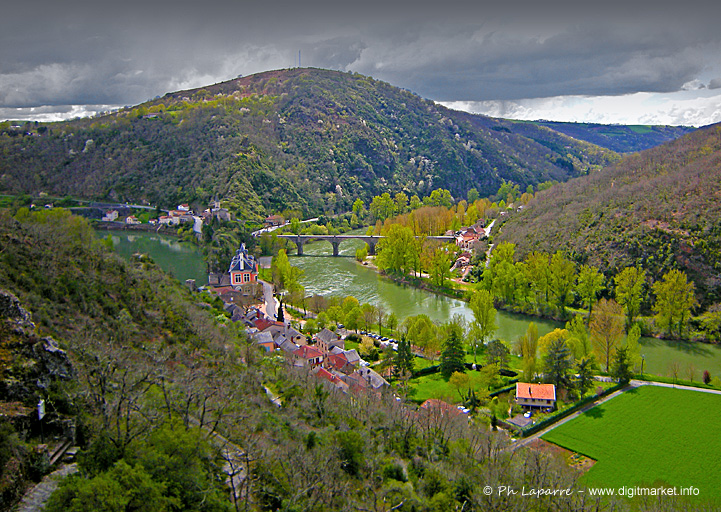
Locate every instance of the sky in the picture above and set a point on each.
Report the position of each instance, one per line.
(628, 62)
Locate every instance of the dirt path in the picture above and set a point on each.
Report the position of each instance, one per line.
(35, 499)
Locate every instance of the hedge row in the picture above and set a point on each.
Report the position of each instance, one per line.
(525, 432)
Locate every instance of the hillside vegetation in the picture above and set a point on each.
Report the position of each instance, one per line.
(619, 138)
(305, 139)
(168, 402)
(659, 209)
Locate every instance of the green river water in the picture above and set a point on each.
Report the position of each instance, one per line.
(342, 276)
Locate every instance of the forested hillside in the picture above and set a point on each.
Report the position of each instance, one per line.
(660, 209)
(619, 138)
(306, 139)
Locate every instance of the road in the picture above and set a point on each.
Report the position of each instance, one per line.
(271, 303)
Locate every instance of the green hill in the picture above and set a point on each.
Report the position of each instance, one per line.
(619, 138)
(308, 139)
(659, 208)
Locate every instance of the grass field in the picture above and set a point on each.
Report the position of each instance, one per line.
(650, 435)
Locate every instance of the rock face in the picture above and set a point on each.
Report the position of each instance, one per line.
(29, 364)
(13, 312)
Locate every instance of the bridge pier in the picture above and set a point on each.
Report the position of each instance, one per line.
(335, 247)
(299, 245)
(371, 248)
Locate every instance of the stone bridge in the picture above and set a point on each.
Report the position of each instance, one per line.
(335, 240)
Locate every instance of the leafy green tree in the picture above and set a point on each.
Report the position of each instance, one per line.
(606, 328)
(351, 448)
(588, 286)
(674, 300)
(537, 274)
(578, 338)
(497, 353)
(584, 376)
(621, 369)
(528, 349)
(403, 363)
(358, 207)
(484, 314)
(382, 207)
(395, 251)
(460, 382)
(452, 355)
(629, 291)
(440, 269)
(295, 226)
(562, 275)
(558, 363)
(440, 197)
(401, 202)
(472, 195)
(392, 321)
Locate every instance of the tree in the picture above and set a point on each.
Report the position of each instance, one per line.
(674, 300)
(578, 337)
(396, 250)
(403, 361)
(472, 195)
(528, 349)
(392, 321)
(382, 207)
(629, 291)
(440, 266)
(401, 202)
(558, 363)
(452, 355)
(369, 314)
(706, 377)
(295, 226)
(590, 283)
(460, 381)
(562, 274)
(497, 353)
(606, 328)
(358, 207)
(621, 369)
(584, 376)
(485, 319)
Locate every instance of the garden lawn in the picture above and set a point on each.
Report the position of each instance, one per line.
(650, 436)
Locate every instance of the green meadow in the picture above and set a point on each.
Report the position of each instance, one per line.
(650, 436)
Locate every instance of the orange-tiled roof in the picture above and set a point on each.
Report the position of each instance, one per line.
(538, 391)
(440, 405)
(308, 352)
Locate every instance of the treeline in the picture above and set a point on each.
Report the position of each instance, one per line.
(548, 284)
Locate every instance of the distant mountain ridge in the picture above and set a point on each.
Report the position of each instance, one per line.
(308, 139)
(660, 208)
(619, 138)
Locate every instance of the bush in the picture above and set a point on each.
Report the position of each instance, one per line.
(394, 471)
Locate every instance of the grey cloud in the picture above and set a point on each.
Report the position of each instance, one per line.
(715, 83)
(83, 52)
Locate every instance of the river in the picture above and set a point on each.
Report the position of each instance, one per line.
(341, 276)
(182, 260)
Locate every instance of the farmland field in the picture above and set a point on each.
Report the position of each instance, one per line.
(650, 436)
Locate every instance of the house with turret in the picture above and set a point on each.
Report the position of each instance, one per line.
(243, 268)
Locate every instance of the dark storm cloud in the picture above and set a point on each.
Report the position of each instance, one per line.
(87, 53)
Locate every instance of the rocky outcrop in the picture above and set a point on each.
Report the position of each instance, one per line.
(29, 364)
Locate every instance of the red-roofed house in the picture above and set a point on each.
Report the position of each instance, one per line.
(440, 407)
(536, 395)
(338, 362)
(308, 356)
(333, 379)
